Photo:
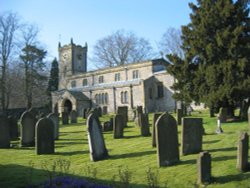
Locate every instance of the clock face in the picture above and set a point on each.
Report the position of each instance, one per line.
(65, 56)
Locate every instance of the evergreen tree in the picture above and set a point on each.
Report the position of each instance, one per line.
(33, 65)
(216, 43)
(53, 79)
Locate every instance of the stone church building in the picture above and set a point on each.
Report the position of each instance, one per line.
(145, 84)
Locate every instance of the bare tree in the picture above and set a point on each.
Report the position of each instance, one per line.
(121, 48)
(9, 24)
(29, 35)
(171, 42)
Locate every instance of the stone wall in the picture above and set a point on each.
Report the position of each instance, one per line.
(153, 103)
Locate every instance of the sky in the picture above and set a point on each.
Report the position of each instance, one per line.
(91, 20)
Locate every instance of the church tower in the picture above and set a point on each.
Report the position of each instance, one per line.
(72, 61)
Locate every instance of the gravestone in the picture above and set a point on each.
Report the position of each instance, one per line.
(179, 116)
(189, 110)
(167, 140)
(45, 136)
(248, 112)
(138, 111)
(96, 142)
(65, 118)
(204, 167)
(13, 128)
(104, 110)
(155, 117)
(73, 116)
(223, 115)
(85, 113)
(28, 123)
(107, 126)
(54, 118)
(4, 132)
(81, 112)
(118, 126)
(123, 110)
(219, 128)
(144, 125)
(192, 131)
(99, 111)
(242, 153)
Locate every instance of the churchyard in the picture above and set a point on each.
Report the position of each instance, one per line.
(131, 158)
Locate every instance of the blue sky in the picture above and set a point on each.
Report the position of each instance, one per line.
(90, 20)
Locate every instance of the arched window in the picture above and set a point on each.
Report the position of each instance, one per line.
(84, 82)
(160, 90)
(73, 84)
(122, 100)
(135, 74)
(96, 99)
(100, 98)
(117, 77)
(103, 98)
(106, 98)
(101, 79)
(125, 97)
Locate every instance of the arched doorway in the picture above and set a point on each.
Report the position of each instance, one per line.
(67, 106)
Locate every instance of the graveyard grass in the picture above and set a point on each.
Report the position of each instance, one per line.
(132, 154)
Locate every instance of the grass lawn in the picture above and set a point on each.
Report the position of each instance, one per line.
(133, 156)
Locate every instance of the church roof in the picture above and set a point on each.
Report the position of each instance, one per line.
(78, 95)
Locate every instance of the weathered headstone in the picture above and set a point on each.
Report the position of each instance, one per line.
(167, 140)
(248, 112)
(204, 167)
(118, 126)
(65, 118)
(107, 126)
(144, 125)
(155, 117)
(123, 110)
(54, 118)
(192, 131)
(99, 111)
(45, 136)
(96, 142)
(28, 123)
(223, 115)
(189, 110)
(80, 112)
(4, 132)
(73, 116)
(85, 113)
(242, 154)
(219, 128)
(105, 110)
(138, 112)
(179, 116)
(13, 128)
